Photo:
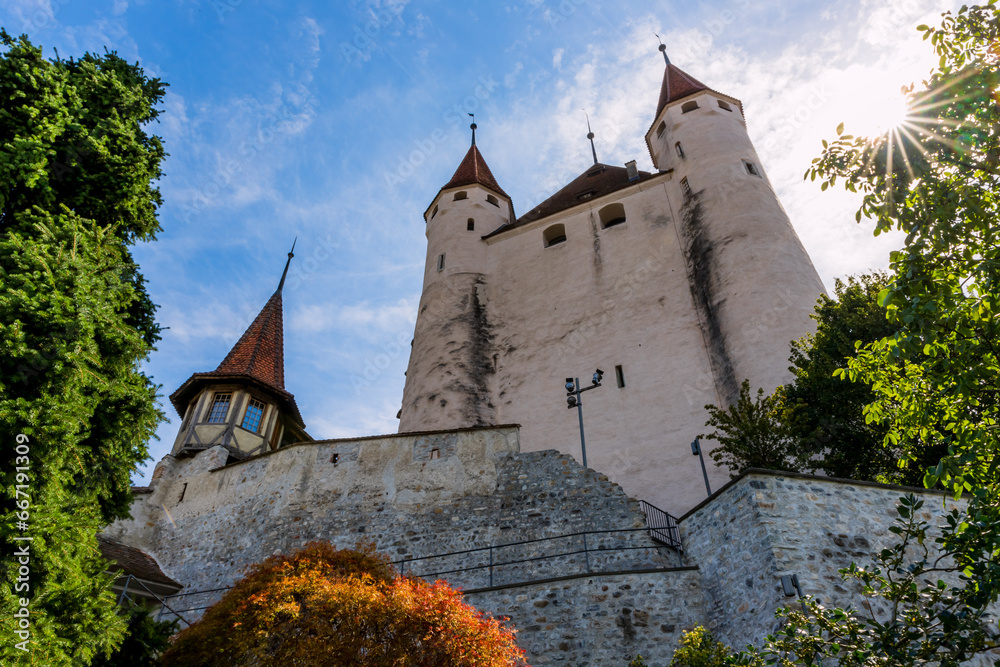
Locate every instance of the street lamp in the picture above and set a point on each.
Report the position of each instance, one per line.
(696, 451)
(573, 400)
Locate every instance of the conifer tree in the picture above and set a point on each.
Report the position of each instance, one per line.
(77, 172)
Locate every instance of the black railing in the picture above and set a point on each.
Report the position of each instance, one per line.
(597, 556)
(600, 551)
(662, 526)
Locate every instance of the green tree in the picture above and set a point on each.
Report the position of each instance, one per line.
(76, 190)
(700, 649)
(937, 378)
(752, 433)
(145, 640)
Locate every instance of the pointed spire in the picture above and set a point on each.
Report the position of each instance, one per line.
(291, 253)
(663, 50)
(473, 169)
(473, 126)
(260, 351)
(590, 135)
(676, 84)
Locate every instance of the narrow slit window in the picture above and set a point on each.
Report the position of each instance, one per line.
(751, 168)
(435, 453)
(689, 106)
(335, 459)
(685, 187)
(441, 262)
(470, 225)
(220, 408)
(680, 151)
(183, 491)
(253, 415)
(620, 377)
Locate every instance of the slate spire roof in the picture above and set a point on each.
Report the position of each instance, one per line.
(676, 84)
(474, 169)
(259, 353)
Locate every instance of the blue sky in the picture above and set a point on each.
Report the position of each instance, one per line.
(338, 123)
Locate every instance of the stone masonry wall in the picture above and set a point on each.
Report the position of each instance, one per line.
(766, 524)
(600, 621)
(205, 523)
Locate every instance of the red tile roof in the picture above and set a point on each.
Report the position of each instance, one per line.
(597, 181)
(259, 353)
(677, 84)
(129, 560)
(473, 169)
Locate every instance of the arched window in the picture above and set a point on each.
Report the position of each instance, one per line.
(661, 128)
(554, 235)
(689, 106)
(462, 194)
(611, 215)
(471, 224)
(680, 151)
(490, 199)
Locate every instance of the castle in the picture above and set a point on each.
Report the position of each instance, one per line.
(678, 284)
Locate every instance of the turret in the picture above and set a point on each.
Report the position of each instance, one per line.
(752, 281)
(448, 382)
(242, 405)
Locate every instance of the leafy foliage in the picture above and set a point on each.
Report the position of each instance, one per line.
(76, 174)
(324, 606)
(936, 379)
(751, 433)
(145, 639)
(700, 649)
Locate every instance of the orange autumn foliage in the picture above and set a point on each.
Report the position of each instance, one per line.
(333, 607)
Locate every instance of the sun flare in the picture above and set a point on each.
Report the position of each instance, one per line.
(878, 115)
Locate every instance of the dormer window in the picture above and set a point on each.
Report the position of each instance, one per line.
(490, 199)
(554, 235)
(689, 106)
(611, 215)
(461, 195)
(253, 415)
(220, 408)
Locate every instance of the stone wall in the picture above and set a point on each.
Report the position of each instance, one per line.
(605, 620)
(766, 524)
(205, 522)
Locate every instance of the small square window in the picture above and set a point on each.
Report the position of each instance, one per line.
(435, 453)
(254, 413)
(725, 105)
(751, 168)
(220, 408)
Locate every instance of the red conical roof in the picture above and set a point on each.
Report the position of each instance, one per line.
(259, 353)
(677, 84)
(473, 169)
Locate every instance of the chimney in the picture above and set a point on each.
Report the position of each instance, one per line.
(633, 171)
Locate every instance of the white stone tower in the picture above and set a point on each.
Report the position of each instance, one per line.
(678, 284)
(452, 343)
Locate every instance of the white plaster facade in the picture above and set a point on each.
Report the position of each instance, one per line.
(703, 285)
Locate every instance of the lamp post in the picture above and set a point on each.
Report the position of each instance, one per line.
(696, 451)
(573, 400)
